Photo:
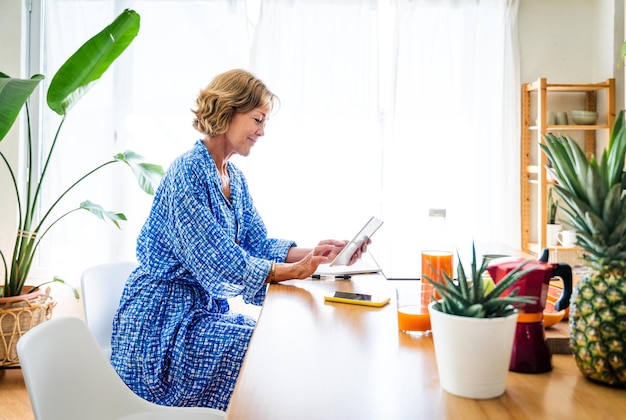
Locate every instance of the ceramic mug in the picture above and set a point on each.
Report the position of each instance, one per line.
(567, 238)
(561, 118)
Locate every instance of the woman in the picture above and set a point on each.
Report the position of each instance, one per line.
(175, 342)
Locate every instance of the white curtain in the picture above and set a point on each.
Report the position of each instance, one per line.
(453, 138)
(317, 172)
(387, 109)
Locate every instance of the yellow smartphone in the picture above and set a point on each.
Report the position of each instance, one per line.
(358, 299)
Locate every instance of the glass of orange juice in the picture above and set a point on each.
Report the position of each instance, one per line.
(412, 301)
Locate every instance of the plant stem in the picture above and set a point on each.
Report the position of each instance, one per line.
(43, 172)
(40, 237)
(15, 187)
(69, 189)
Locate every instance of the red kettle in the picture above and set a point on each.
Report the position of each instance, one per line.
(530, 349)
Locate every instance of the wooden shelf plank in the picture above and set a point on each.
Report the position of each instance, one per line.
(572, 127)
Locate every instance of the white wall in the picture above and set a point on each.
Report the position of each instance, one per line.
(572, 41)
(11, 24)
(567, 41)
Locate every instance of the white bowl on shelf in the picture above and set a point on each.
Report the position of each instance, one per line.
(584, 117)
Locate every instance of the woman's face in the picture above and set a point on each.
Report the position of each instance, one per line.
(245, 129)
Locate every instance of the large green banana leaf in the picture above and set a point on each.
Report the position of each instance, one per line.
(13, 95)
(75, 76)
(78, 73)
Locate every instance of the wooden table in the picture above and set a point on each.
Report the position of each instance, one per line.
(309, 359)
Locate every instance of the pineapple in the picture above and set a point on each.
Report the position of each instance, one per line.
(596, 208)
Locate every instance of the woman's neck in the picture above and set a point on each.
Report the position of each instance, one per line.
(217, 149)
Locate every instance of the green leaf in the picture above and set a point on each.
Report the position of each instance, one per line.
(596, 225)
(74, 291)
(101, 213)
(148, 175)
(86, 65)
(580, 165)
(616, 151)
(594, 191)
(555, 148)
(577, 206)
(612, 206)
(57, 280)
(13, 95)
(619, 231)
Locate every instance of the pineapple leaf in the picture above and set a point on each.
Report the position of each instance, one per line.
(575, 203)
(597, 227)
(595, 189)
(612, 206)
(619, 231)
(562, 165)
(616, 152)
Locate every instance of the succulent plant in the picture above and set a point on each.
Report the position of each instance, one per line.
(552, 207)
(470, 297)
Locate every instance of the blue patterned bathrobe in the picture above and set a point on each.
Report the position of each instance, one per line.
(175, 342)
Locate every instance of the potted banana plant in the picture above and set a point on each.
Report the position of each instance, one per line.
(35, 216)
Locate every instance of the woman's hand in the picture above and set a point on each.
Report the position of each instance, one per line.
(302, 263)
(337, 247)
(297, 254)
(306, 265)
(319, 255)
(360, 251)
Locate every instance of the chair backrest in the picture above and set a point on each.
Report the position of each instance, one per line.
(68, 377)
(102, 288)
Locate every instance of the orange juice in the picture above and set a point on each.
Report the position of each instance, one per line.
(413, 307)
(435, 264)
(413, 318)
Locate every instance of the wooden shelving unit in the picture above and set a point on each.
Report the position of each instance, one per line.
(534, 187)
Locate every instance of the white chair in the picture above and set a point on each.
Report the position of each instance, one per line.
(69, 378)
(102, 288)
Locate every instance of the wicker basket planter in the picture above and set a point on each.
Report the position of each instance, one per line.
(19, 314)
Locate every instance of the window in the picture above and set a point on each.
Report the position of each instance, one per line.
(388, 108)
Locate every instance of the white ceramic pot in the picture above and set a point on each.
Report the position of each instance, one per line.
(473, 354)
(551, 234)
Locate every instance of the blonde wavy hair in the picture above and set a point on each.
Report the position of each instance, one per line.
(230, 92)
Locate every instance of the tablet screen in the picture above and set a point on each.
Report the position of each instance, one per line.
(366, 232)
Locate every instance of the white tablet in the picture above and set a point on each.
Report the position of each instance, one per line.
(366, 232)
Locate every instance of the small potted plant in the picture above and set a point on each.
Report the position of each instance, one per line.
(473, 326)
(552, 207)
(552, 228)
(23, 306)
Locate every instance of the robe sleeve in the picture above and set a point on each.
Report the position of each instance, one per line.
(190, 221)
